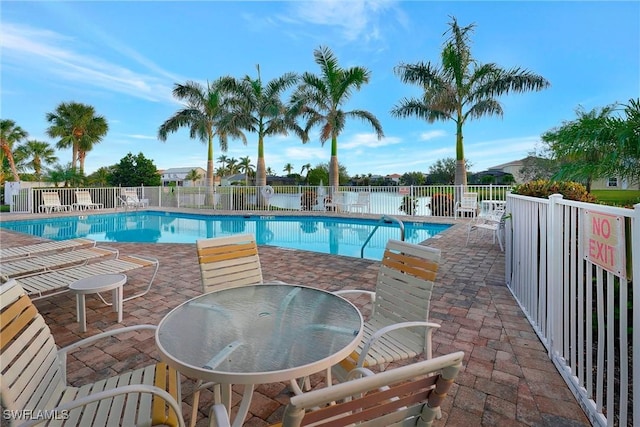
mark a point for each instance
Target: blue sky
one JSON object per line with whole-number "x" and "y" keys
{"x": 123, "y": 57}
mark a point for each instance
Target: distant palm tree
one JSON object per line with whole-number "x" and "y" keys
{"x": 245, "y": 166}
{"x": 10, "y": 134}
{"x": 288, "y": 168}
{"x": 206, "y": 106}
{"x": 258, "y": 108}
{"x": 223, "y": 162}
{"x": 193, "y": 176}
{"x": 461, "y": 88}
{"x": 100, "y": 177}
{"x": 232, "y": 165}
{"x": 66, "y": 174}
{"x": 77, "y": 126}
{"x": 269, "y": 171}
{"x": 306, "y": 167}
{"x": 319, "y": 99}
{"x": 39, "y": 153}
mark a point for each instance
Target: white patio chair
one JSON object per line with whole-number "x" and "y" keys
{"x": 336, "y": 202}
{"x": 492, "y": 222}
{"x": 398, "y": 327}
{"x": 34, "y": 377}
{"x": 84, "y": 201}
{"x": 129, "y": 199}
{"x": 467, "y": 204}
{"x": 407, "y": 396}
{"x": 51, "y": 203}
{"x": 362, "y": 203}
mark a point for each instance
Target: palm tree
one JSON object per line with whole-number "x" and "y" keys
{"x": 319, "y": 99}
{"x": 258, "y": 108}
{"x": 306, "y": 167}
{"x": 232, "y": 165}
{"x": 205, "y": 108}
{"x": 288, "y": 168}
{"x": 40, "y": 153}
{"x": 461, "y": 88}
{"x": 9, "y": 135}
{"x": 246, "y": 167}
{"x": 193, "y": 176}
{"x": 78, "y": 127}
{"x": 269, "y": 171}
{"x": 223, "y": 161}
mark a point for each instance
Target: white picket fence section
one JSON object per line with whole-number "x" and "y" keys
{"x": 426, "y": 200}
{"x": 570, "y": 267}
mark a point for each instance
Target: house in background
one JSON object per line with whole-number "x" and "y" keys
{"x": 500, "y": 172}
{"x": 177, "y": 177}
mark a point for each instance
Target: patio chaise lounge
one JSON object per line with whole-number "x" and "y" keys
{"x": 129, "y": 199}
{"x": 84, "y": 201}
{"x": 16, "y": 252}
{"x": 42, "y": 285}
{"x": 24, "y": 266}
{"x": 51, "y": 203}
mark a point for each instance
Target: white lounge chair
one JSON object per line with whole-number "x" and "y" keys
{"x": 398, "y": 328}
{"x": 34, "y": 377}
{"x": 129, "y": 199}
{"x": 25, "y": 266}
{"x": 84, "y": 201}
{"x": 43, "y": 285}
{"x": 42, "y": 248}
{"x": 336, "y": 202}
{"x": 362, "y": 203}
{"x": 468, "y": 204}
{"x": 407, "y": 396}
{"x": 51, "y": 203}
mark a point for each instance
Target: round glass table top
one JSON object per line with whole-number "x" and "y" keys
{"x": 261, "y": 333}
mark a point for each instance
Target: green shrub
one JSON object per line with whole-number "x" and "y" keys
{"x": 543, "y": 188}
{"x": 308, "y": 200}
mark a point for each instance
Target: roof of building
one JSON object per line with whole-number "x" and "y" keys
{"x": 182, "y": 170}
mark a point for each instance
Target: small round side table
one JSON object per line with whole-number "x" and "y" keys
{"x": 94, "y": 285}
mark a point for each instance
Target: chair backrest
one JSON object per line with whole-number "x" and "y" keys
{"x": 469, "y": 200}
{"x": 83, "y": 197}
{"x": 51, "y": 198}
{"x": 363, "y": 198}
{"x": 229, "y": 262}
{"x": 405, "y": 282}
{"x": 130, "y": 196}
{"x": 409, "y": 395}
{"x": 31, "y": 370}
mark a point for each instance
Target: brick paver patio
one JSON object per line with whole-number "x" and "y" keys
{"x": 507, "y": 378}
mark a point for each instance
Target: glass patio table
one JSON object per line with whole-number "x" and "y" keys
{"x": 258, "y": 334}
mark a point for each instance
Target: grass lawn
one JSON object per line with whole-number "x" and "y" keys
{"x": 625, "y": 198}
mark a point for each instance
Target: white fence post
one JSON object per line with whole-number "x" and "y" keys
{"x": 554, "y": 272}
{"x": 635, "y": 271}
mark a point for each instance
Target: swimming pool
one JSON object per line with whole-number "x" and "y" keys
{"x": 339, "y": 236}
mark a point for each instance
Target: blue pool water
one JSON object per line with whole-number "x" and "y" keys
{"x": 339, "y": 236}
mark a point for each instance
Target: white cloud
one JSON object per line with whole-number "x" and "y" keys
{"x": 136, "y": 136}
{"x": 356, "y": 19}
{"x": 432, "y": 134}
{"x": 367, "y": 140}
{"x": 34, "y": 49}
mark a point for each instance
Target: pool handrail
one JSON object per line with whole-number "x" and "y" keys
{"x": 383, "y": 219}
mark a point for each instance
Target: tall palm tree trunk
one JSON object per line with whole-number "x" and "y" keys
{"x": 334, "y": 173}
{"x": 209, "y": 198}
{"x": 261, "y": 170}
{"x": 12, "y": 164}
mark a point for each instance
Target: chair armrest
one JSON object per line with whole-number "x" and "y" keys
{"x": 371, "y": 294}
{"x": 218, "y": 416}
{"x": 382, "y": 331}
{"x": 107, "y": 394}
{"x": 62, "y": 353}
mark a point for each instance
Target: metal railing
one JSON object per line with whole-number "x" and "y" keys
{"x": 384, "y": 219}
{"x": 431, "y": 200}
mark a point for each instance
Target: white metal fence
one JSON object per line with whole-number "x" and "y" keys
{"x": 392, "y": 200}
{"x": 570, "y": 267}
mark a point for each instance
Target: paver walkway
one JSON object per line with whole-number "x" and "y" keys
{"x": 507, "y": 379}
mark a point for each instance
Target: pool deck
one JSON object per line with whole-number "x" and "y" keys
{"x": 507, "y": 378}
